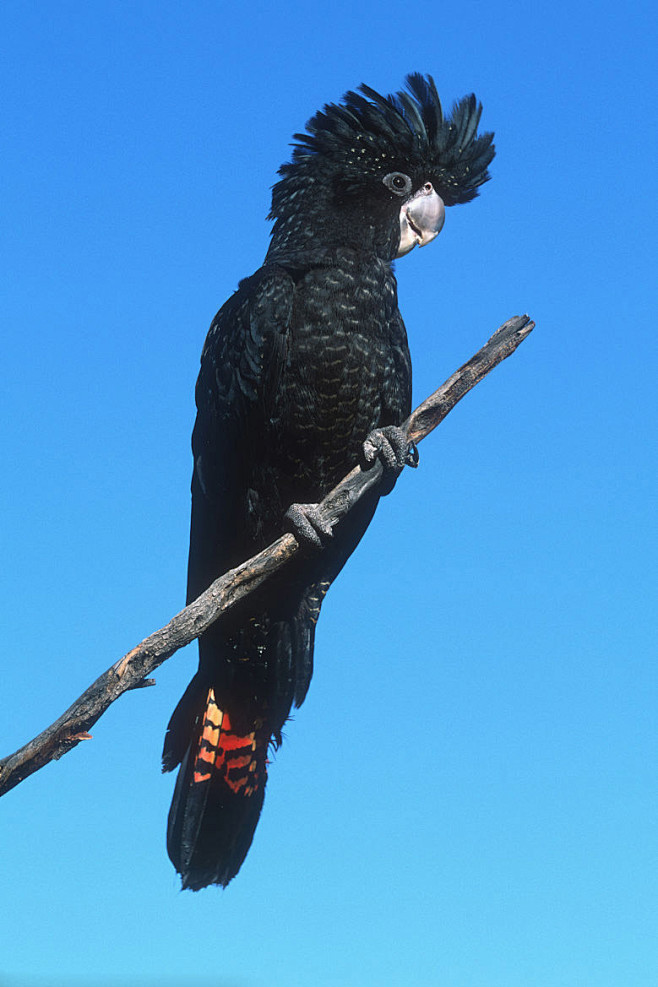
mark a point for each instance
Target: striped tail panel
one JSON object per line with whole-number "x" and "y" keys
{"x": 238, "y": 758}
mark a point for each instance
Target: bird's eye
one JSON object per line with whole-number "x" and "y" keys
{"x": 398, "y": 183}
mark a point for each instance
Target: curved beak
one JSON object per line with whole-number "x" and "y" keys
{"x": 421, "y": 219}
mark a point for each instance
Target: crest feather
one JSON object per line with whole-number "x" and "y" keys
{"x": 368, "y": 134}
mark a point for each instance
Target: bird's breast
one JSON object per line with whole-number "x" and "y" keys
{"x": 343, "y": 370}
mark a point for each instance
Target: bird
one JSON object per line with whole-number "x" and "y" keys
{"x": 304, "y": 373}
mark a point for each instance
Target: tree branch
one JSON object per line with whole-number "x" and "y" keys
{"x": 130, "y": 671}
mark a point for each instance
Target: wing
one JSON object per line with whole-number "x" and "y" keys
{"x": 241, "y": 368}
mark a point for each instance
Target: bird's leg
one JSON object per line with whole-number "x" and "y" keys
{"x": 391, "y": 446}
{"x": 307, "y": 525}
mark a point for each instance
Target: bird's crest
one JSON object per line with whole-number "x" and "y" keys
{"x": 371, "y": 134}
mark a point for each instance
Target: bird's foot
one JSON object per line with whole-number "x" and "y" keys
{"x": 391, "y": 446}
{"x": 307, "y": 525}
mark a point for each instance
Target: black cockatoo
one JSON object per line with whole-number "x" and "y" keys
{"x": 305, "y": 371}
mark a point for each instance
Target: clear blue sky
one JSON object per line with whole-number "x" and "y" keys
{"x": 467, "y": 798}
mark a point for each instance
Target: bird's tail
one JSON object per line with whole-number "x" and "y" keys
{"x": 219, "y": 790}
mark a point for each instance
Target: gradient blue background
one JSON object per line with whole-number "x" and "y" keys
{"x": 467, "y": 798}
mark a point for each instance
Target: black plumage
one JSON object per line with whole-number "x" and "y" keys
{"x": 300, "y": 366}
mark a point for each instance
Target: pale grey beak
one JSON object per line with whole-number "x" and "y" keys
{"x": 421, "y": 219}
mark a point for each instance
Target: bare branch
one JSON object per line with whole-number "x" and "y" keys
{"x": 130, "y": 671}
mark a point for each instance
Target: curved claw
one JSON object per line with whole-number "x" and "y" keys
{"x": 412, "y": 456}
{"x": 391, "y": 446}
{"x": 307, "y": 525}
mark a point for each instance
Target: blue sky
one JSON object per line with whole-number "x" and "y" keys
{"x": 467, "y": 798}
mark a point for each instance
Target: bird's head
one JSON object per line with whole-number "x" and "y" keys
{"x": 375, "y": 173}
